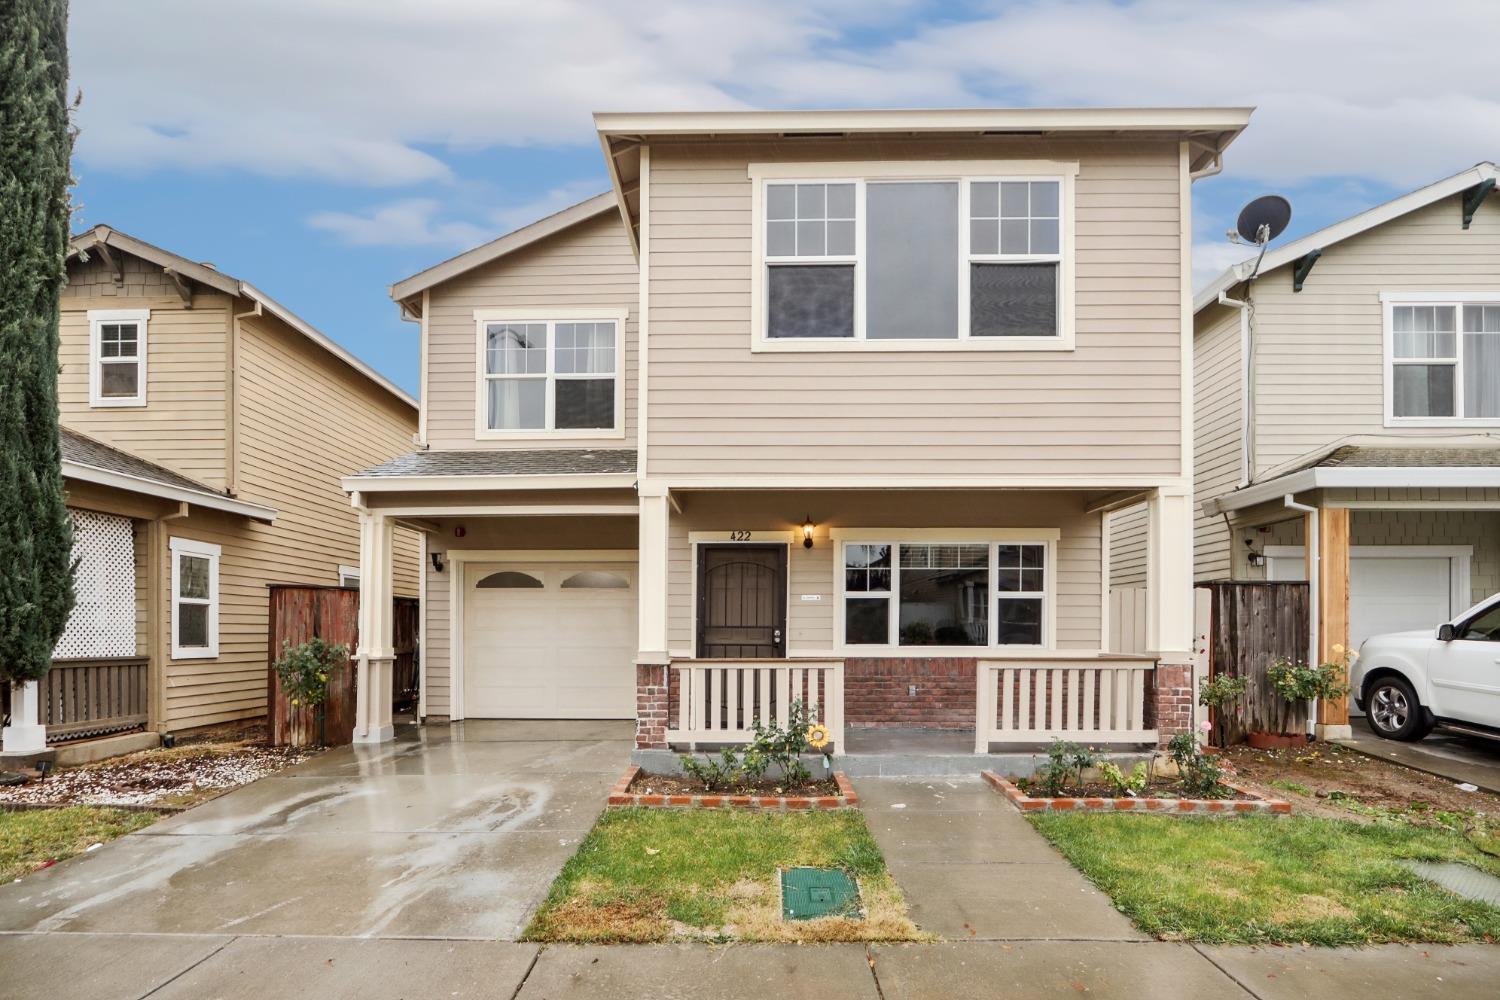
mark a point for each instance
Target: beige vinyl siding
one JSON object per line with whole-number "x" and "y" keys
{"x": 1129, "y": 533}
{"x": 182, "y": 425}
{"x": 587, "y": 265}
{"x": 1217, "y": 434}
{"x": 1320, "y": 367}
{"x": 810, "y": 624}
{"x": 1110, "y": 406}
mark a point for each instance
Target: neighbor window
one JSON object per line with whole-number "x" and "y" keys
{"x": 948, "y": 594}
{"x": 117, "y": 357}
{"x": 924, "y": 260}
{"x": 1445, "y": 361}
{"x": 553, "y": 375}
{"x": 195, "y": 599}
{"x": 348, "y": 576}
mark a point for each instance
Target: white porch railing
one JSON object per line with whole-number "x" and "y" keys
{"x": 1084, "y": 701}
{"x": 719, "y": 701}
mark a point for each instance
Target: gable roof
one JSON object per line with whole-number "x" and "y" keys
{"x": 1340, "y": 231}
{"x": 507, "y": 244}
{"x": 90, "y": 461}
{"x": 180, "y": 268}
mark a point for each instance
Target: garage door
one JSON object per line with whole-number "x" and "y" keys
{"x": 549, "y": 640}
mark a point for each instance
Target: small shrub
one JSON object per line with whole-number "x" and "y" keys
{"x": 304, "y": 671}
{"x": 771, "y": 747}
{"x": 1222, "y": 692}
{"x": 716, "y": 775}
{"x": 1066, "y": 763}
{"x": 1202, "y": 775}
{"x": 1122, "y": 785}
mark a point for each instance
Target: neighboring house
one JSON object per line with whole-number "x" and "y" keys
{"x": 1357, "y": 373}
{"x": 820, "y": 406}
{"x": 204, "y": 432}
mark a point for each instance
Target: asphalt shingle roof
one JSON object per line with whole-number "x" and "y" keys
{"x": 1359, "y": 457}
{"x": 556, "y": 461}
{"x": 86, "y": 451}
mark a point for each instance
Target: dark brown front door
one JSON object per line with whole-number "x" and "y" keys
{"x": 742, "y": 601}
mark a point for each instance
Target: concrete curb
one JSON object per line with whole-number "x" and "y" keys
{"x": 1162, "y": 807}
{"x": 619, "y": 795}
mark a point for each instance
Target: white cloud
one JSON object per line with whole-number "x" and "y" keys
{"x": 379, "y": 93}
{"x": 554, "y": 200}
{"x": 410, "y": 222}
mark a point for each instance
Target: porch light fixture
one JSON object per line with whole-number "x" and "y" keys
{"x": 1253, "y": 556}
{"x": 437, "y": 561}
{"x": 807, "y": 532}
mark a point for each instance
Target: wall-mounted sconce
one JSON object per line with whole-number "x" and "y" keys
{"x": 1253, "y": 556}
{"x": 437, "y": 561}
{"x": 807, "y": 532}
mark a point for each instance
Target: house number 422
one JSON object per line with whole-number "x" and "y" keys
{"x": 739, "y": 536}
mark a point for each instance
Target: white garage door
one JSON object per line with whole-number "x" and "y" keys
{"x": 549, "y": 640}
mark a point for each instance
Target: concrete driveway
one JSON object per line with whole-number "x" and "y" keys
{"x": 1447, "y": 754}
{"x": 449, "y": 833}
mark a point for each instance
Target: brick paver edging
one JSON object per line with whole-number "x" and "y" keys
{"x": 1165, "y": 807}
{"x": 620, "y": 796}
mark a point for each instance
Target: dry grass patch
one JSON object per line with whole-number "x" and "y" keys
{"x": 644, "y": 875}
{"x": 31, "y": 839}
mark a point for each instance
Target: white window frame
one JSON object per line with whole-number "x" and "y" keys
{"x": 98, "y": 318}
{"x": 960, "y": 172}
{"x": 1389, "y": 301}
{"x": 348, "y": 573}
{"x": 482, "y": 317}
{"x": 992, "y": 538}
{"x": 203, "y": 550}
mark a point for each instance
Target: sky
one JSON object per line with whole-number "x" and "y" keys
{"x": 324, "y": 149}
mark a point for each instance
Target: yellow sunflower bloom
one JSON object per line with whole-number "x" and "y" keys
{"x": 817, "y": 736}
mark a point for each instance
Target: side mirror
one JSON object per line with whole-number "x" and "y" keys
{"x": 1446, "y": 632}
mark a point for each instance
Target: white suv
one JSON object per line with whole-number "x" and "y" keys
{"x": 1408, "y": 682}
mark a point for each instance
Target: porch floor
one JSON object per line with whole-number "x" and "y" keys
{"x": 868, "y": 739}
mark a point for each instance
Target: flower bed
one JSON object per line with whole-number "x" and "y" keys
{"x": 1246, "y": 802}
{"x": 629, "y": 791}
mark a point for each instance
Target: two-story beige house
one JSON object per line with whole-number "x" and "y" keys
{"x": 1357, "y": 373}
{"x": 205, "y": 428}
{"x": 820, "y": 407}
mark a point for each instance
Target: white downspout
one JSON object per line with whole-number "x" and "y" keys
{"x": 1247, "y": 386}
{"x": 1314, "y": 574}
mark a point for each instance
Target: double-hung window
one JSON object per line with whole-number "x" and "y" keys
{"x": 550, "y": 377}
{"x": 117, "y": 357}
{"x": 1443, "y": 359}
{"x": 195, "y": 599}
{"x": 949, "y": 594}
{"x": 913, "y": 257}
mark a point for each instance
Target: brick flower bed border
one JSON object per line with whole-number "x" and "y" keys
{"x": 620, "y": 796}
{"x": 1164, "y": 807}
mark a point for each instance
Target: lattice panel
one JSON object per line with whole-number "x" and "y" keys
{"x": 103, "y": 619}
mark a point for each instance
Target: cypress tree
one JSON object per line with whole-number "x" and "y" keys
{"x": 36, "y": 140}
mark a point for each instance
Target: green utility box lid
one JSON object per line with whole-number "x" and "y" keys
{"x": 807, "y": 893}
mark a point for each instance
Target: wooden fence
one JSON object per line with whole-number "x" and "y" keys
{"x": 1251, "y": 623}
{"x": 94, "y": 697}
{"x": 1088, "y": 701}
{"x": 299, "y": 613}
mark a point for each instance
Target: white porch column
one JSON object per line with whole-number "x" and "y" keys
{"x": 1169, "y": 620}
{"x": 652, "y": 586}
{"x": 25, "y": 734}
{"x": 376, "y": 654}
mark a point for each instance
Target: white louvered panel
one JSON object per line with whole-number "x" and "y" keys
{"x": 103, "y": 619}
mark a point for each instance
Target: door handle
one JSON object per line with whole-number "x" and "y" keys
{"x": 776, "y": 635}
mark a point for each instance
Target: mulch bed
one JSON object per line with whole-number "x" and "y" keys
{"x": 1240, "y": 801}
{"x": 637, "y": 788}
{"x": 1158, "y": 788}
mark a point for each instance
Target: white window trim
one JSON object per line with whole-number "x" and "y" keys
{"x": 1458, "y": 299}
{"x": 98, "y": 318}
{"x": 957, "y": 171}
{"x": 551, "y": 317}
{"x": 992, "y": 537}
{"x": 347, "y": 573}
{"x": 190, "y": 546}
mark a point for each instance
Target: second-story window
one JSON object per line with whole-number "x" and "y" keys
{"x": 907, "y": 262}
{"x": 117, "y": 357}
{"x": 549, "y": 375}
{"x": 1444, "y": 362}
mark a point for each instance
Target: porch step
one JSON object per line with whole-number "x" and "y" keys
{"x": 922, "y": 765}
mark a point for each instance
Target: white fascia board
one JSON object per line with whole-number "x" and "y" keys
{"x": 1352, "y": 226}
{"x": 431, "y": 484}
{"x": 166, "y": 491}
{"x": 1356, "y": 477}
{"x": 1229, "y": 119}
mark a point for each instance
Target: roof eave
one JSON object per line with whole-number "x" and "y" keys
{"x": 165, "y": 491}
{"x": 462, "y": 483}
{"x": 1355, "y": 477}
{"x": 719, "y": 123}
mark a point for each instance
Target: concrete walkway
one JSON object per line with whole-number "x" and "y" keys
{"x": 1446, "y": 754}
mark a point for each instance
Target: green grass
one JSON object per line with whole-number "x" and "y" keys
{"x": 1249, "y": 880}
{"x": 659, "y": 875}
{"x": 31, "y": 838}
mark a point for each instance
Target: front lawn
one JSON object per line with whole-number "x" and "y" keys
{"x": 31, "y": 838}
{"x": 1250, "y": 880}
{"x": 700, "y": 874}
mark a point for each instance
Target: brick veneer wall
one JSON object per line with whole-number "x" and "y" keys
{"x": 1172, "y": 704}
{"x": 875, "y": 692}
{"x": 651, "y": 706}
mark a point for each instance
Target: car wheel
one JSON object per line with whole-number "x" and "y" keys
{"x": 1394, "y": 711}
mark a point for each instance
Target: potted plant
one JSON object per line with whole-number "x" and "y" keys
{"x": 304, "y": 671}
{"x": 1222, "y": 694}
{"x": 1298, "y": 686}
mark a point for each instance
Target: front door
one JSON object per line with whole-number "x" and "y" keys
{"x": 741, "y": 601}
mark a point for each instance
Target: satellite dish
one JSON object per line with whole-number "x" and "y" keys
{"x": 1264, "y": 219}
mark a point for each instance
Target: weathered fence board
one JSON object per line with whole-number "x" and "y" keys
{"x": 1252, "y": 623}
